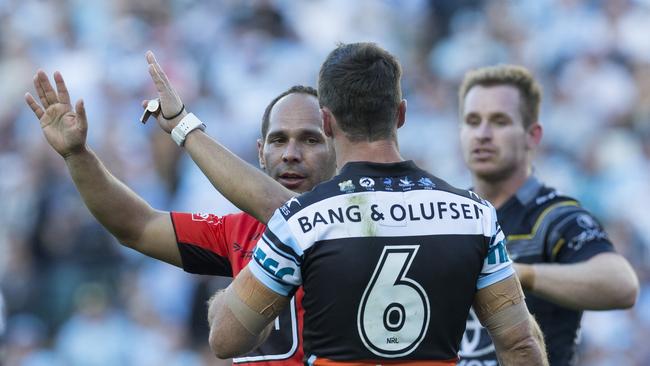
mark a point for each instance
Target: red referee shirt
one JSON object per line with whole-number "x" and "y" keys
{"x": 223, "y": 245}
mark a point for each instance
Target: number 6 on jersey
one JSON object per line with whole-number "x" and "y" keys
{"x": 394, "y": 312}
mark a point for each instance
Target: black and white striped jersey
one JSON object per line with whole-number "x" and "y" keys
{"x": 390, "y": 258}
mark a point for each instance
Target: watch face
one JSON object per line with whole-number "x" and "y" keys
{"x": 153, "y": 105}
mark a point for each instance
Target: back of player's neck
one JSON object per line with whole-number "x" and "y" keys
{"x": 382, "y": 151}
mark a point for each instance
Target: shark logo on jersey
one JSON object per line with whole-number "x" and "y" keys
{"x": 426, "y": 183}
{"x": 367, "y": 183}
{"x": 347, "y": 186}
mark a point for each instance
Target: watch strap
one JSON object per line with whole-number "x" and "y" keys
{"x": 188, "y": 124}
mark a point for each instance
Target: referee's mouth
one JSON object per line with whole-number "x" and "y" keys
{"x": 291, "y": 180}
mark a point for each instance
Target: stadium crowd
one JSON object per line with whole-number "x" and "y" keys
{"x": 74, "y": 296}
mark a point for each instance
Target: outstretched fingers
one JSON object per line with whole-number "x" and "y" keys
{"x": 40, "y": 91}
{"x": 158, "y": 74}
{"x": 80, "y": 109}
{"x": 63, "y": 95}
{"x": 47, "y": 92}
{"x": 154, "y": 71}
{"x": 33, "y": 104}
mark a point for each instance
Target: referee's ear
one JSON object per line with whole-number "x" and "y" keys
{"x": 260, "y": 153}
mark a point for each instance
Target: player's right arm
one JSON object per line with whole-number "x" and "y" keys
{"x": 501, "y": 309}
{"x": 240, "y": 316}
{"x": 246, "y": 187}
{"x": 499, "y": 303}
{"x": 127, "y": 216}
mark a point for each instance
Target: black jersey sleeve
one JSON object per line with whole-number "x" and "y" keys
{"x": 575, "y": 237}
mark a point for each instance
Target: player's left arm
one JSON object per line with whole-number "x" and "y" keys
{"x": 586, "y": 273}
{"x": 605, "y": 281}
{"x": 241, "y": 316}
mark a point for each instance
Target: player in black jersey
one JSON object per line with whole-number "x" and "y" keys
{"x": 389, "y": 256}
{"x": 565, "y": 262}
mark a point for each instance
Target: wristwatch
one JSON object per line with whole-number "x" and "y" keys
{"x": 188, "y": 124}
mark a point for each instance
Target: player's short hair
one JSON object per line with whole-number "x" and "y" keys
{"x": 517, "y": 76}
{"x": 296, "y": 89}
{"x": 360, "y": 84}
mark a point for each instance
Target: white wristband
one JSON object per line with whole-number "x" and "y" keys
{"x": 188, "y": 124}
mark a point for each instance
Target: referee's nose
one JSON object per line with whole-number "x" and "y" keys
{"x": 292, "y": 152}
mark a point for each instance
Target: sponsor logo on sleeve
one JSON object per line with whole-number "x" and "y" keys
{"x": 207, "y": 218}
{"x": 591, "y": 231}
{"x": 277, "y": 266}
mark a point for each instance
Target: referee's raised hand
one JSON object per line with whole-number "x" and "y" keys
{"x": 171, "y": 110}
{"x": 64, "y": 128}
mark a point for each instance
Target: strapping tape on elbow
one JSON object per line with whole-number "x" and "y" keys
{"x": 507, "y": 318}
{"x": 253, "y": 321}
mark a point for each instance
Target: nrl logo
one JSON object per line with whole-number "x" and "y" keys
{"x": 367, "y": 182}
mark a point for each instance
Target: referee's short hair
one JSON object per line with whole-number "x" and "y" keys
{"x": 516, "y": 76}
{"x": 360, "y": 84}
{"x": 296, "y": 89}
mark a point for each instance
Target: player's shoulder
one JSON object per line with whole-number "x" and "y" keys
{"x": 442, "y": 185}
{"x": 546, "y": 206}
{"x": 549, "y": 199}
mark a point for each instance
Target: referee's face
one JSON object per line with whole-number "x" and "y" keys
{"x": 492, "y": 134}
{"x": 295, "y": 150}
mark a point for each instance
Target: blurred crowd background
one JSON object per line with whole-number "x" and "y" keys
{"x": 74, "y": 296}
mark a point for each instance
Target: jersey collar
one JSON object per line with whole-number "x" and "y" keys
{"x": 377, "y": 169}
{"x": 528, "y": 191}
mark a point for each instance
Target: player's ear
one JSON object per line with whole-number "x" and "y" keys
{"x": 260, "y": 153}
{"x": 327, "y": 117}
{"x": 534, "y": 136}
{"x": 401, "y": 113}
